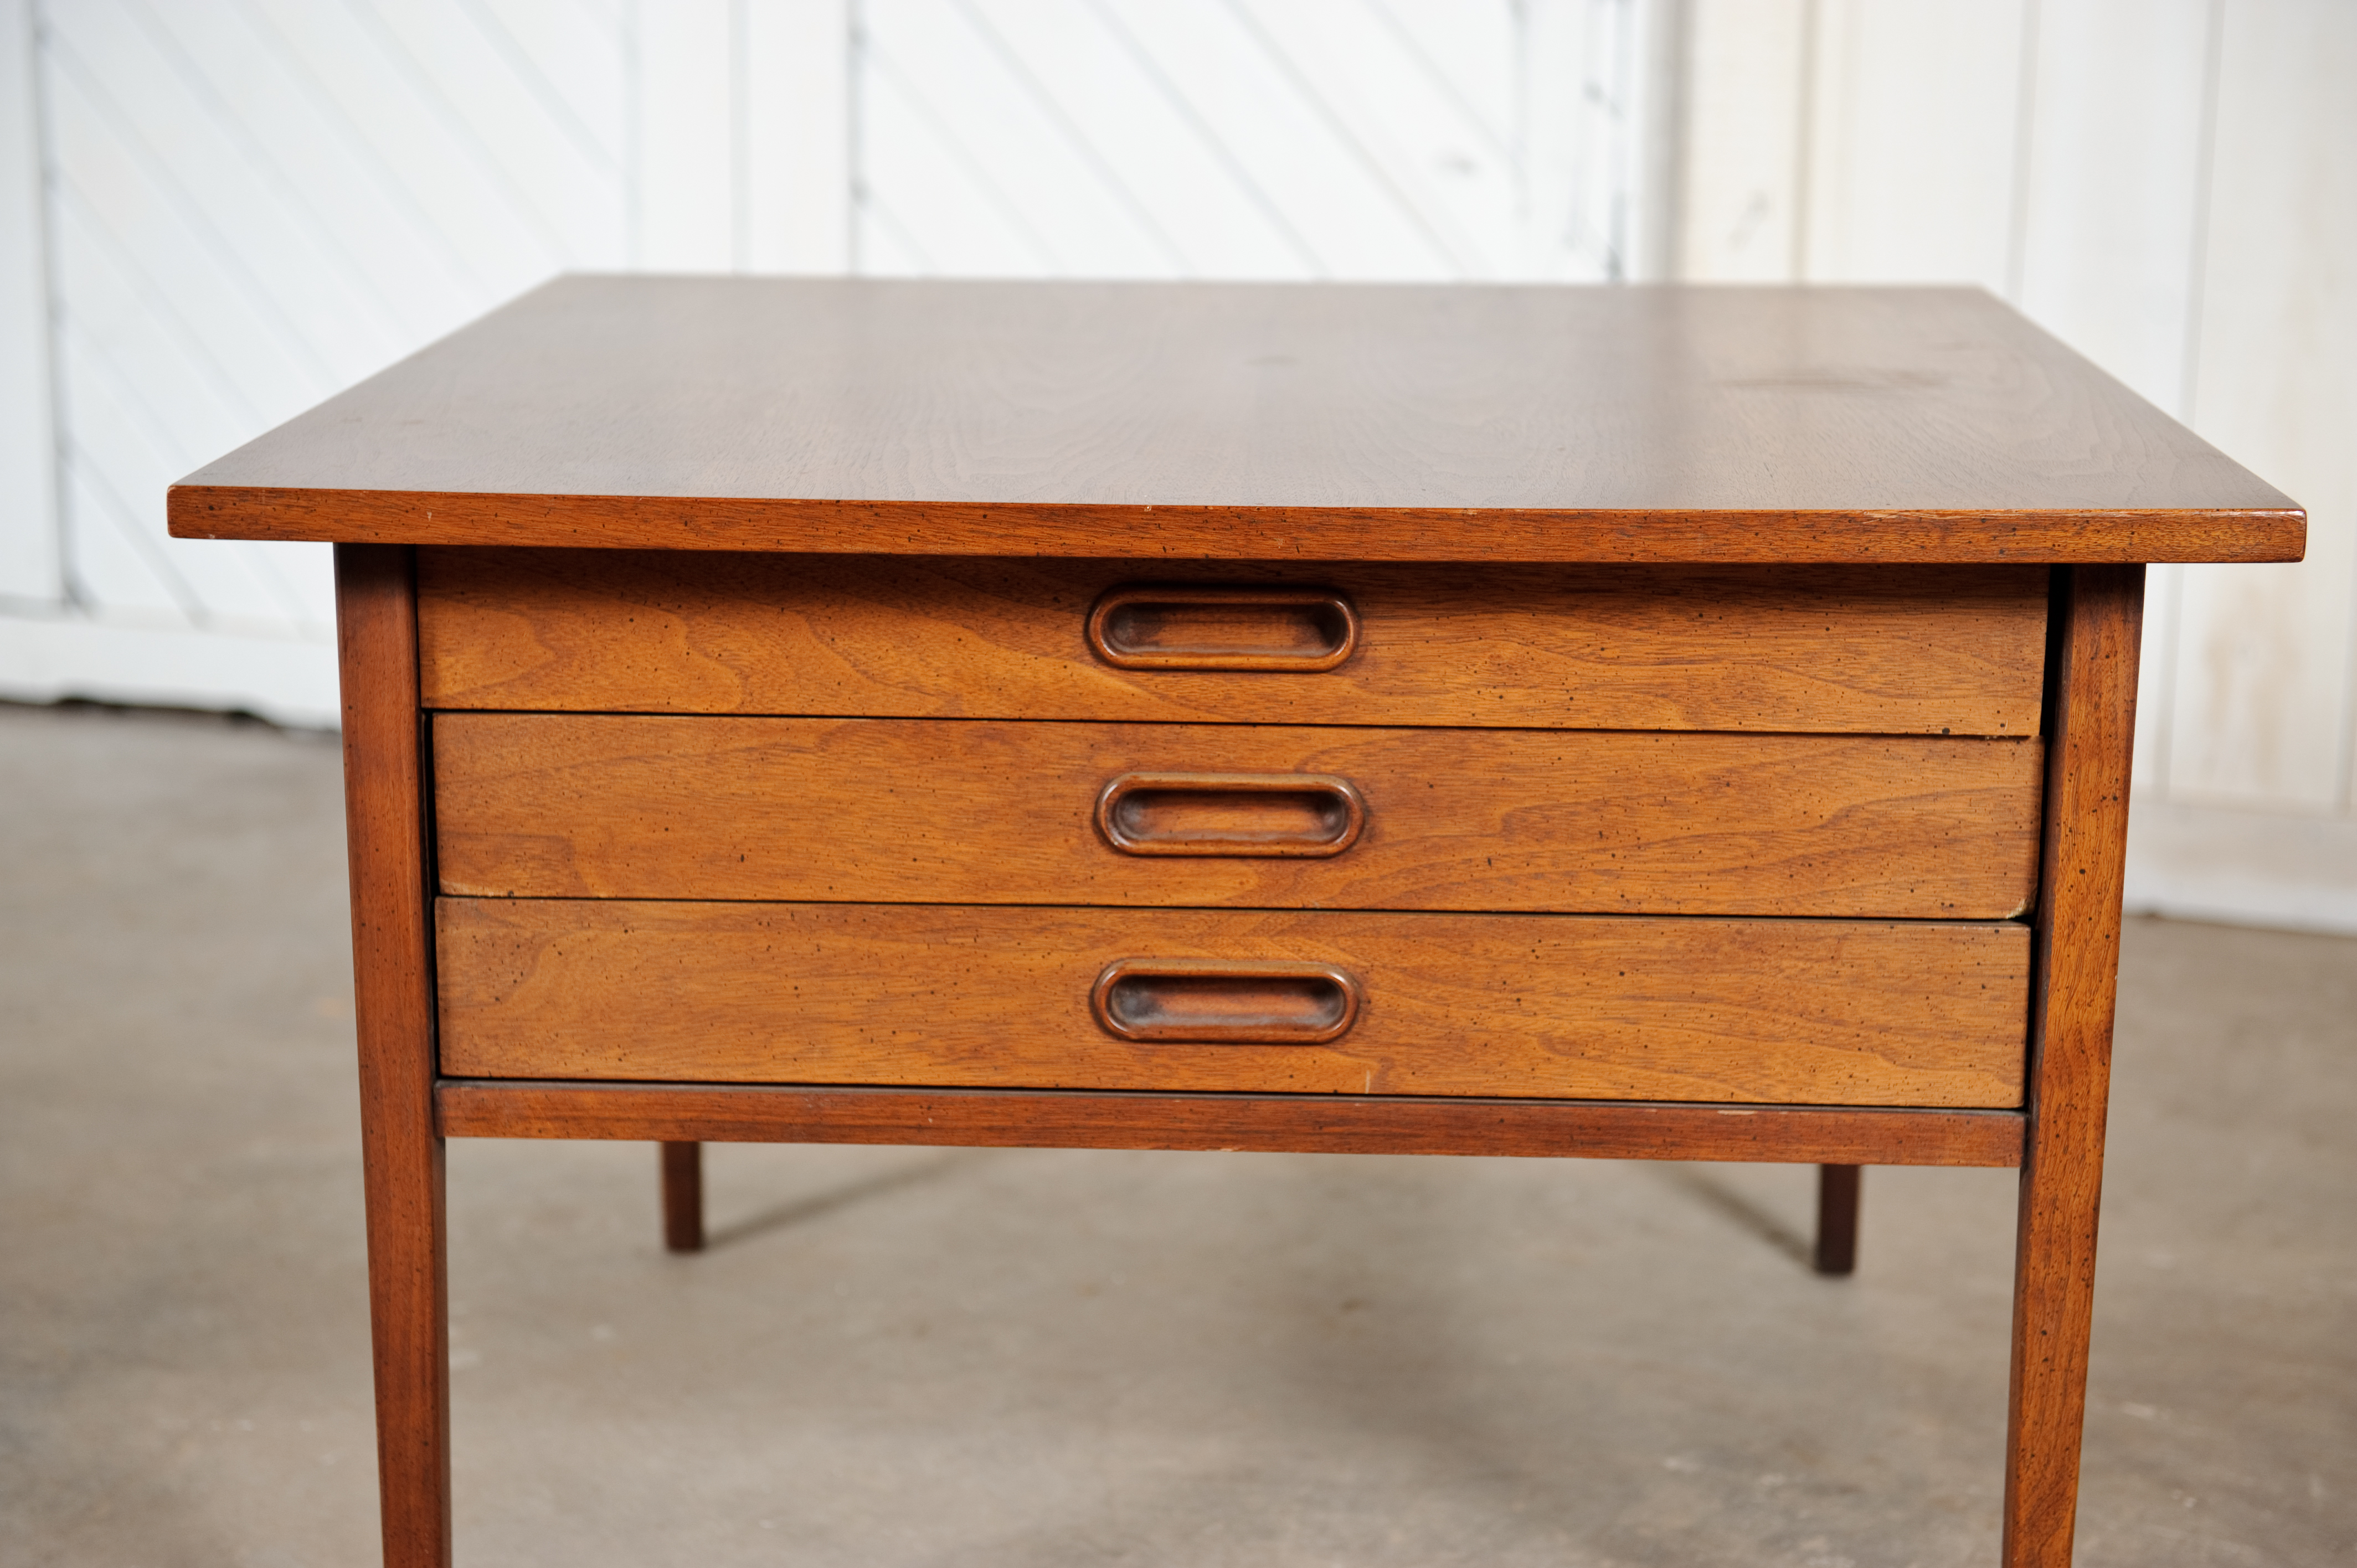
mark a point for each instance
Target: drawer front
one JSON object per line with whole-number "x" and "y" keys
{"x": 952, "y": 812}
{"x": 1799, "y": 1012}
{"x": 1915, "y": 651}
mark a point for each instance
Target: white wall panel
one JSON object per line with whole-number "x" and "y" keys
{"x": 977, "y": 161}
{"x": 293, "y": 132}
{"x": 796, "y": 151}
{"x": 29, "y": 580}
{"x": 2170, "y": 185}
{"x": 686, "y": 123}
{"x": 1594, "y": 191}
{"x": 254, "y": 203}
{"x": 1330, "y": 189}
{"x": 422, "y": 157}
{"x": 1431, "y": 129}
{"x": 2264, "y": 705}
{"x": 116, "y": 554}
{"x": 2107, "y": 245}
{"x": 1313, "y": 138}
{"x": 1745, "y": 105}
{"x": 1914, "y": 108}
{"x": 2109, "y": 233}
{"x": 1134, "y": 144}
{"x": 250, "y": 206}
{"x": 211, "y": 216}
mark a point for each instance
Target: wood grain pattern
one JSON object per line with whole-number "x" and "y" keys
{"x": 1909, "y": 651}
{"x": 1306, "y": 1124}
{"x": 948, "y": 812}
{"x": 1156, "y": 420}
{"x": 394, "y": 991}
{"x": 1797, "y": 1011}
{"x": 2099, "y": 618}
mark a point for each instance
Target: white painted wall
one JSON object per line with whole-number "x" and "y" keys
{"x": 211, "y": 216}
{"x": 29, "y": 537}
{"x": 2169, "y": 186}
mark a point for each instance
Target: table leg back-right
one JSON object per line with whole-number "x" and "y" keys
{"x": 682, "y": 1197}
{"x": 1837, "y": 1251}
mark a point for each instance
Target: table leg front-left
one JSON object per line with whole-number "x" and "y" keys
{"x": 393, "y": 986}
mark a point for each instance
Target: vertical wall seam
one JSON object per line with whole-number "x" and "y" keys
{"x": 2197, "y": 275}
{"x": 1518, "y": 135}
{"x": 2171, "y": 580}
{"x": 1668, "y": 67}
{"x": 1805, "y": 140}
{"x": 2345, "y": 786}
{"x": 740, "y": 139}
{"x": 70, "y": 590}
{"x": 854, "y": 145}
{"x": 633, "y": 141}
{"x": 2189, "y": 380}
{"x": 2025, "y": 129}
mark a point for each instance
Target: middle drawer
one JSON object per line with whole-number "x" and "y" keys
{"x": 934, "y": 810}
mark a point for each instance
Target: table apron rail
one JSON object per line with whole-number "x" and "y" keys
{"x": 1404, "y": 1124}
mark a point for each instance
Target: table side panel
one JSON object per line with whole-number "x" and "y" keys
{"x": 1880, "y": 650}
{"x": 1811, "y": 1012}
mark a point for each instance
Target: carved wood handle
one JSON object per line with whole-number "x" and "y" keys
{"x": 1185, "y": 628}
{"x": 1293, "y": 815}
{"x": 1224, "y": 1002}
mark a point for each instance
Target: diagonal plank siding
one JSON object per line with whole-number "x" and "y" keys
{"x": 243, "y": 207}
{"x": 213, "y": 215}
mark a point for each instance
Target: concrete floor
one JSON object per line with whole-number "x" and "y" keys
{"x": 907, "y": 1356}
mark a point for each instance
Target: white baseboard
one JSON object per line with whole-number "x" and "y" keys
{"x": 2244, "y": 868}
{"x": 287, "y": 680}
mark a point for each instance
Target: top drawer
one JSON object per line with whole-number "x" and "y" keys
{"x": 1891, "y": 650}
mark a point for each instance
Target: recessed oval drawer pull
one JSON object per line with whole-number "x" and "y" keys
{"x": 1224, "y": 1002}
{"x": 1181, "y": 628}
{"x": 1304, "y": 815}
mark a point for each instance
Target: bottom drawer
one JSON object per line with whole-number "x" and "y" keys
{"x": 1796, "y": 1011}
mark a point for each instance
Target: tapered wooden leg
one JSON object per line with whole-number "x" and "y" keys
{"x": 409, "y": 1314}
{"x": 682, "y": 1197}
{"x": 2091, "y": 728}
{"x": 392, "y": 985}
{"x": 1837, "y": 1219}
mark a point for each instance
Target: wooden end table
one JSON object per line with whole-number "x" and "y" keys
{"x": 1652, "y": 722}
